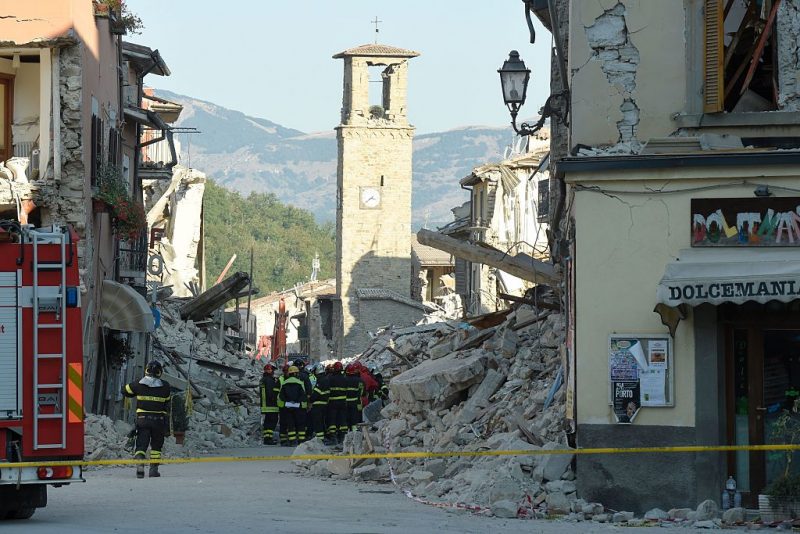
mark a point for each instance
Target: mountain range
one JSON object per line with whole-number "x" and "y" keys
{"x": 251, "y": 154}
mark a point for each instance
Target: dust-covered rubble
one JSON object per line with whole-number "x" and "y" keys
{"x": 106, "y": 439}
{"x": 214, "y": 419}
{"x": 494, "y": 384}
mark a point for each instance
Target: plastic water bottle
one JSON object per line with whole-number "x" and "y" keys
{"x": 730, "y": 497}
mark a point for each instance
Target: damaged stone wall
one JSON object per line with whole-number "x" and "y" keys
{"x": 619, "y": 58}
{"x": 614, "y": 47}
{"x": 176, "y": 208}
{"x": 66, "y": 200}
{"x": 788, "y": 29}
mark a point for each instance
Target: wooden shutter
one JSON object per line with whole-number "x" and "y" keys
{"x": 714, "y": 52}
{"x": 461, "y": 272}
{"x": 543, "y": 209}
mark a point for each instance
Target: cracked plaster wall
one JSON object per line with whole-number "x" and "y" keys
{"x": 788, "y": 29}
{"x": 624, "y": 86}
{"x": 626, "y": 240}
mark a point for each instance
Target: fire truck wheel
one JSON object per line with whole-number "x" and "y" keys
{"x": 20, "y": 513}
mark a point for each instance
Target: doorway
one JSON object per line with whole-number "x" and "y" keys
{"x": 763, "y": 382}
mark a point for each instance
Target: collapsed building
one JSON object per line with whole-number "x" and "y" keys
{"x": 490, "y": 383}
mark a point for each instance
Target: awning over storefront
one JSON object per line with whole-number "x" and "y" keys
{"x": 122, "y": 308}
{"x": 738, "y": 275}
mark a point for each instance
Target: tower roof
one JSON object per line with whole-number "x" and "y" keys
{"x": 376, "y": 50}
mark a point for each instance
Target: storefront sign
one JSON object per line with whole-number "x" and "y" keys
{"x": 746, "y": 222}
{"x": 711, "y": 291}
{"x": 639, "y": 374}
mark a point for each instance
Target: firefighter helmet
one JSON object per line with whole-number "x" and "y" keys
{"x": 337, "y": 367}
{"x": 293, "y": 370}
{"x": 154, "y": 368}
{"x": 351, "y": 369}
{"x": 269, "y": 369}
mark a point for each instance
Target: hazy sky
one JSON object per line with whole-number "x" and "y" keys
{"x": 272, "y": 58}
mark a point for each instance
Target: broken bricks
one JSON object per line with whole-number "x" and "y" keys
{"x": 464, "y": 387}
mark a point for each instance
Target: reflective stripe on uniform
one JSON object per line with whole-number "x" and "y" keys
{"x": 149, "y": 398}
{"x": 139, "y": 410}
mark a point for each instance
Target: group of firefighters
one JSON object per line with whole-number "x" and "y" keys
{"x": 323, "y": 401}
{"x": 308, "y": 400}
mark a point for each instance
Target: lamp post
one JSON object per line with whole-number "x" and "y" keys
{"x": 514, "y": 77}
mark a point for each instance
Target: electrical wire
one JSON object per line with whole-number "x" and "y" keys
{"x": 651, "y": 192}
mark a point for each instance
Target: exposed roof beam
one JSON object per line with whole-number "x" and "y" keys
{"x": 521, "y": 265}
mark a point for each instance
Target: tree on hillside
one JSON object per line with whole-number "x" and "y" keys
{"x": 284, "y": 238}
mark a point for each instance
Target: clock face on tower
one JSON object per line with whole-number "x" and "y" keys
{"x": 370, "y": 198}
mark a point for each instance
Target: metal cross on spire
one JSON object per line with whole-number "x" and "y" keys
{"x": 377, "y": 30}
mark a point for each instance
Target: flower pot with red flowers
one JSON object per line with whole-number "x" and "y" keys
{"x": 127, "y": 213}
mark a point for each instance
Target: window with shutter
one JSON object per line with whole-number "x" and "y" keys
{"x": 461, "y": 270}
{"x": 543, "y": 209}
{"x": 97, "y": 146}
{"x": 739, "y": 54}
{"x": 714, "y": 75}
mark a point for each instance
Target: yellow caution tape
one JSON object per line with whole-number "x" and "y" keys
{"x": 415, "y": 454}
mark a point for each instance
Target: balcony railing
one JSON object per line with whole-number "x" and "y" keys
{"x": 131, "y": 261}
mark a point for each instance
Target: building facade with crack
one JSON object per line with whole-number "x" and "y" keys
{"x": 681, "y": 192}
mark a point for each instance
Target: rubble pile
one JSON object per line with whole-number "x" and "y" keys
{"x": 224, "y": 412}
{"x": 494, "y": 384}
{"x": 106, "y": 439}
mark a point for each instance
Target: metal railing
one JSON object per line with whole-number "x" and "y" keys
{"x": 131, "y": 257}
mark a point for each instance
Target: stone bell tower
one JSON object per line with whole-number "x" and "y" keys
{"x": 373, "y": 210}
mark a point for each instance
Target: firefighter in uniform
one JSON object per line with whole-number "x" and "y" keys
{"x": 269, "y": 389}
{"x": 354, "y": 388}
{"x": 337, "y": 403}
{"x": 305, "y": 376}
{"x": 284, "y": 437}
{"x": 319, "y": 404}
{"x": 293, "y": 395}
{"x": 153, "y": 410}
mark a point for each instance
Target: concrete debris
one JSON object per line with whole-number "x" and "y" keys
{"x": 105, "y": 439}
{"x": 733, "y": 516}
{"x": 448, "y": 395}
{"x": 215, "y": 421}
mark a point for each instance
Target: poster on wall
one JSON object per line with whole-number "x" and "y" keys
{"x": 639, "y": 374}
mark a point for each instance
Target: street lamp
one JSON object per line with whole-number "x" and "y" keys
{"x": 514, "y": 76}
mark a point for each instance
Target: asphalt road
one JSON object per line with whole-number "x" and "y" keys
{"x": 254, "y": 497}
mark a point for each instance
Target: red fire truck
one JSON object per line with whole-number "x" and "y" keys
{"x": 41, "y": 364}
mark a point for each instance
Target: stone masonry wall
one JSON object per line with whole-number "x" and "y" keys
{"x": 66, "y": 200}
{"x": 788, "y": 29}
{"x": 375, "y": 244}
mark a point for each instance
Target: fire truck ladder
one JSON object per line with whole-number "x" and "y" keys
{"x": 48, "y": 301}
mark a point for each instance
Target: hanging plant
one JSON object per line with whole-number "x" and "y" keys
{"x": 123, "y": 20}
{"x": 127, "y": 214}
